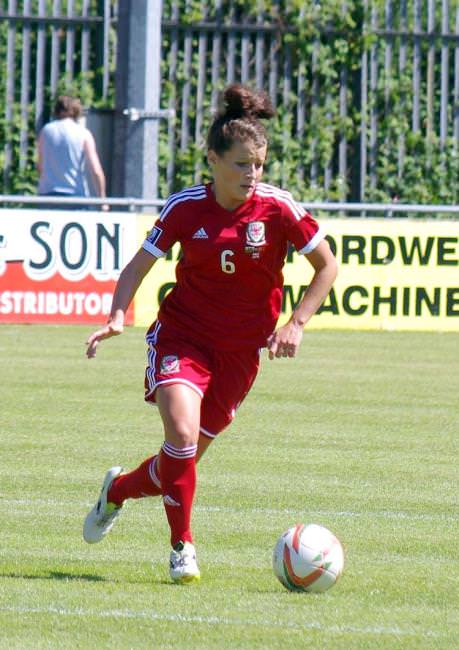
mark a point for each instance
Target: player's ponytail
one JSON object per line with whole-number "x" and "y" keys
{"x": 241, "y": 102}
{"x": 238, "y": 119}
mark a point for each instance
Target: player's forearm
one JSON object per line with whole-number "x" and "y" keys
{"x": 126, "y": 288}
{"x": 316, "y": 293}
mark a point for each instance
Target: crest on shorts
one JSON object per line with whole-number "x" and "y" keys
{"x": 255, "y": 234}
{"x": 169, "y": 364}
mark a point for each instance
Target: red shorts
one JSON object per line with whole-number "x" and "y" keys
{"x": 222, "y": 379}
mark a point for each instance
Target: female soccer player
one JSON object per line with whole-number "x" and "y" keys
{"x": 203, "y": 349}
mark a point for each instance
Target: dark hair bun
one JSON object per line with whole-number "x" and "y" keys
{"x": 241, "y": 102}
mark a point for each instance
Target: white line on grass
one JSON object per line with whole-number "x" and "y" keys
{"x": 216, "y": 620}
{"x": 383, "y": 514}
{"x": 331, "y": 513}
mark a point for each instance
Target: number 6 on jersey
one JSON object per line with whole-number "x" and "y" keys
{"x": 227, "y": 265}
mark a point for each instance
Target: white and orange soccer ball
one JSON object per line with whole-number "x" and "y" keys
{"x": 308, "y": 558}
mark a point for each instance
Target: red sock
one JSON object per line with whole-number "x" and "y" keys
{"x": 141, "y": 482}
{"x": 178, "y": 480}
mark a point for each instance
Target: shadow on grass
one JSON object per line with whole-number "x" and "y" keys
{"x": 55, "y": 575}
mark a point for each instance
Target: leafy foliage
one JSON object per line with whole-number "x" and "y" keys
{"x": 20, "y": 120}
{"x": 333, "y": 88}
{"x": 344, "y": 93}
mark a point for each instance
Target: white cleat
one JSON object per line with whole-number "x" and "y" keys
{"x": 100, "y": 520}
{"x": 183, "y": 566}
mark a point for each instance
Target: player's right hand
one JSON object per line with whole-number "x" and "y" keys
{"x": 112, "y": 328}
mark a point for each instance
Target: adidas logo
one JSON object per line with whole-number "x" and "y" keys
{"x": 200, "y": 234}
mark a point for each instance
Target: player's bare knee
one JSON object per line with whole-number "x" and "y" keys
{"x": 182, "y": 434}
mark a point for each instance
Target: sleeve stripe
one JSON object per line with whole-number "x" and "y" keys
{"x": 150, "y": 248}
{"x": 196, "y": 193}
{"x": 283, "y": 196}
{"x": 313, "y": 243}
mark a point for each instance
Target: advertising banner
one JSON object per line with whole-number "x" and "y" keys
{"x": 62, "y": 266}
{"x": 398, "y": 274}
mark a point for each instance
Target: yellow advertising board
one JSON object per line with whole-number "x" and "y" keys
{"x": 397, "y": 274}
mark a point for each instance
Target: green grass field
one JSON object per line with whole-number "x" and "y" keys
{"x": 360, "y": 434}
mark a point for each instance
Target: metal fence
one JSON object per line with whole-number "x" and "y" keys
{"x": 418, "y": 48}
{"x": 317, "y": 208}
{"x": 404, "y": 65}
{"x": 43, "y": 42}
{"x": 382, "y": 75}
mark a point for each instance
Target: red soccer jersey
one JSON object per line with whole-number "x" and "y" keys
{"x": 229, "y": 279}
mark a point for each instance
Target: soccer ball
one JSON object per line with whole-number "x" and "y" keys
{"x": 308, "y": 558}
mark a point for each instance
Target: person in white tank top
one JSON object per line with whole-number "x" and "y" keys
{"x": 66, "y": 152}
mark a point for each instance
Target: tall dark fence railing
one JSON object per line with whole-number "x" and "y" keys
{"x": 46, "y": 45}
{"x": 367, "y": 91}
{"x": 358, "y": 96}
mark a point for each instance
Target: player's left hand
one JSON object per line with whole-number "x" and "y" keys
{"x": 112, "y": 328}
{"x": 285, "y": 341}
